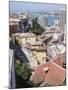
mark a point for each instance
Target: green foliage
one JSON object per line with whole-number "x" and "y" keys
{"x": 23, "y": 70}
{"x": 37, "y": 29}
{"x": 23, "y": 73}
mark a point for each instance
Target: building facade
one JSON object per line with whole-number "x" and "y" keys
{"x": 62, "y": 19}
{"x": 43, "y": 20}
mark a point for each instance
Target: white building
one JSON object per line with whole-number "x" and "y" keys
{"x": 22, "y": 15}
{"x": 62, "y": 18}
{"x": 43, "y": 20}
{"x": 30, "y": 20}
{"x": 56, "y": 22}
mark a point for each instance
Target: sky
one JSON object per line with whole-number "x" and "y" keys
{"x": 18, "y": 6}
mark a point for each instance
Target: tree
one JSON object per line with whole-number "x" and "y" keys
{"x": 23, "y": 70}
{"x": 23, "y": 73}
{"x": 37, "y": 29}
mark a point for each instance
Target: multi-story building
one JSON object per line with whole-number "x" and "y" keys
{"x": 25, "y": 22}
{"x": 38, "y": 52}
{"x": 23, "y": 25}
{"x": 13, "y": 25}
{"x": 43, "y": 20}
{"x": 56, "y": 22}
{"x": 62, "y": 19}
{"x": 24, "y": 38}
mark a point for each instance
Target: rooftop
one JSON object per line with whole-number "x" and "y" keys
{"x": 14, "y": 21}
{"x": 39, "y": 48}
{"x": 27, "y": 35}
{"x": 50, "y": 72}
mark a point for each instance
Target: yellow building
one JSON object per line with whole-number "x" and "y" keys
{"x": 40, "y": 56}
{"x": 25, "y": 38}
{"x": 38, "y": 53}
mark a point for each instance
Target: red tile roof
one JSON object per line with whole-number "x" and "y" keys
{"x": 54, "y": 76}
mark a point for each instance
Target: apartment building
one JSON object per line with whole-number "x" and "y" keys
{"x": 43, "y": 20}
{"x": 38, "y": 52}
{"x": 24, "y": 38}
